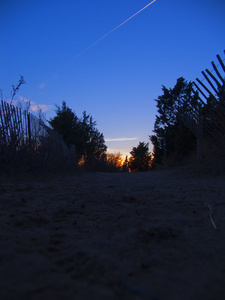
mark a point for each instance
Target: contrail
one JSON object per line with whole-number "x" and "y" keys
{"x": 104, "y": 36}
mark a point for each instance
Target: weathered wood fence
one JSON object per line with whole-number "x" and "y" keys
{"x": 20, "y": 124}
{"x": 27, "y": 143}
{"x": 207, "y": 118}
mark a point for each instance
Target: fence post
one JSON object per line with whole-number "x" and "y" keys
{"x": 3, "y": 135}
{"x": 200, "y": 133}
{"x": 28, "y": 128}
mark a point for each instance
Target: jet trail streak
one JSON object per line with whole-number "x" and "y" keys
{"x": 104, "y": 36}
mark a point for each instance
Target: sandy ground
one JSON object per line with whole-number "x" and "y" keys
{"x": 113, "y": 236}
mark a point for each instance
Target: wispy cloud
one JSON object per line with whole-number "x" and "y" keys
{"x": 123, "y": 139}
{"x": 42, "y": 85}
{"x": 36, "y": 107}
{"x": 42, "y": 107}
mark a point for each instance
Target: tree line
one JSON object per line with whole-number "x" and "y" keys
{"x": 91, "y": 151}
{"x": 172, "y": 138}
{"x": 183, "y": 120}
{"x": 69, "y": 143}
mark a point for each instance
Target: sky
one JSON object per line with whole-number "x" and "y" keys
{"x": 92, "y": 55}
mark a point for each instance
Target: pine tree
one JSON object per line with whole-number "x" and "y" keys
{"x": 140, "y": 159}
{"x": 89, "y": 142}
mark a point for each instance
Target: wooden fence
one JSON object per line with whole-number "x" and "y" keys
{"x": 207, "y": 118}
{"x": 20, "y": 124}
{"x": 27, "y": 143}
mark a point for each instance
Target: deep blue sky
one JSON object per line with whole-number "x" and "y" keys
{"x": 116, "y": 80}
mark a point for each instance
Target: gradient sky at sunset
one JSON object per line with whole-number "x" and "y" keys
{"x": 116, "y": 79}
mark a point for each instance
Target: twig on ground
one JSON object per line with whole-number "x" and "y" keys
{"x": 210, "y": 207}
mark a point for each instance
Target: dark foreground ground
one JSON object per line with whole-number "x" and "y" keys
{"x": 113, "y": 236}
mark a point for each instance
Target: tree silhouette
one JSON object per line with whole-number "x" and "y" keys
{"x": 125, "y": 166}
{"x": 140, "y": 159}
{"x": 82, "y": 133}
{"x": 172, "y": 137}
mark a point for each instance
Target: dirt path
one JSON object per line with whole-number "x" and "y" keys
{"x": 113, "y": 236}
